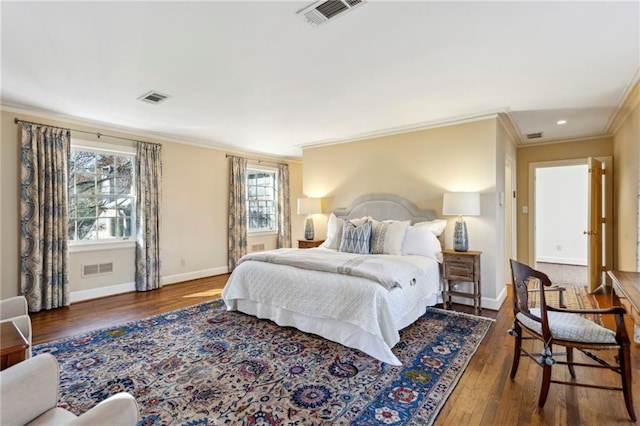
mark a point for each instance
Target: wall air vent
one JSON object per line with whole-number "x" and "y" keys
{"x": 257, "y": 247}
{"x": 536, "y": 135}
{"x": 153, "y": 97}
{"x": 324, "y": 11}
{"x": 97, "y": 269}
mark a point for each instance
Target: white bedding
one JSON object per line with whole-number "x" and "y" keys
{"x": 351, "y": 310}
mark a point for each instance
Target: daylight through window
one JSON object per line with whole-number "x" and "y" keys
{"x": 262, "y": 200}
{"x": 101, "y": 195}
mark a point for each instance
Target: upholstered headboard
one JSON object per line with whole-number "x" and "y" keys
{"x": 385, "y": 207}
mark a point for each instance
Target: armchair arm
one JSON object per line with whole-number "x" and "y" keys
{"x": 13, "y": 307}
{"x": 28, "y": 389}
{"x": 615, "y": 310}
{"x": 120, "y": 409}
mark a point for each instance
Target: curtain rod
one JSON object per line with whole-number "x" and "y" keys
{"x": 98, "y": 134}
{"x": 259, "y": 160}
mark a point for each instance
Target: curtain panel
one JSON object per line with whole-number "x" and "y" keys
{"x": 149, "y": 194}
{"x": 284, "y": 207}
{"x": 44, "y": 254}
{"x": 237, "y": 210}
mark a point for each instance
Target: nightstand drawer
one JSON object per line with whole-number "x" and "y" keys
{"x": 459, "y": 258}
{"x": 309, "y": 243}
{"x": 459, "y": 271}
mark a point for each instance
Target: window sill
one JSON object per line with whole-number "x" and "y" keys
{"x": 261, "y": 233}
{"x": 103, "y": 245}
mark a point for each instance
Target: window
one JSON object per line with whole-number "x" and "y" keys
{"x": 101, "y": 194}
{"x": 262, "y": 200}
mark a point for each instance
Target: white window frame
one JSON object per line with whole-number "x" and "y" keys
{"x": 111, "y": 243}
{"x": 261, "y": 168}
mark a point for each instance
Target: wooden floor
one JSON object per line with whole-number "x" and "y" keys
{"x": 484, "y": 396}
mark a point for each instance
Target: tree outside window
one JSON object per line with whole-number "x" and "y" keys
{"x": 101, "y": 195}
{"x": 261, "y": 200}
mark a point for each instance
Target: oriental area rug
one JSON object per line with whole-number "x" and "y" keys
{"x": 202, "y": 365}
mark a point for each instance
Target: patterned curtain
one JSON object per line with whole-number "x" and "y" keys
{"x": 284, "y": 207}
{"x": 237, "y": 211}
{"x": 44, "y": 255}
{"x": 149, "y": 194}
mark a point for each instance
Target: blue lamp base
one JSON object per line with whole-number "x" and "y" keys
{"x": 460, "y": 238}
{"x": 308, "y": 229}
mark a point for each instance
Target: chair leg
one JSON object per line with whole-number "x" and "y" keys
{"x": 570, "y": 362}
{"x": 517, "y": 350}
{"x": 546, "y": 383}
{"x": 625, "y": 370}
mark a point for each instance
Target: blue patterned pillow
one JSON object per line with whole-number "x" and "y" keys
{"x": 355, "y": 239}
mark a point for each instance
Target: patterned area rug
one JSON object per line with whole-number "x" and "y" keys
{"x": 203, "y": 365}
{"x": 575, "y": 297}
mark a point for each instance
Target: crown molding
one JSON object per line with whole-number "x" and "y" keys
{"x": 628, "y": 101}
{"x": 454, "y": 121}
{"x": 557, "y": 141}
{"x": 93, "y": 125}
{"x": 509, "y": 125}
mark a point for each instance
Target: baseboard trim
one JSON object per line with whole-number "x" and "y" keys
{"x": 493, "y": 304}
{"x": 188, "y": 276}
{"x": 96, "y": 293}
{"x": 570, "y": 261}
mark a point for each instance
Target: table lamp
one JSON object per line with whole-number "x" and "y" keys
{"x": 461, "y": 204}
{"x": 309, "y": 206}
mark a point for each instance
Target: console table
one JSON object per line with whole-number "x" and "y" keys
{"x": 626, "y": 285}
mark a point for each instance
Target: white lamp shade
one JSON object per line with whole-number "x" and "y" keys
{"x": 309, "y": 205}
{"x": 461, "y": 204}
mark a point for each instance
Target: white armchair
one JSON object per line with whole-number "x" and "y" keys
{"x": 29, "y": 395}
{"x": 15, "y": 309}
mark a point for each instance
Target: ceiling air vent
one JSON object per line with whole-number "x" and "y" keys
{"x": 323, "y": 11}
{"x": 536, "y": 135}
{"x": 153, "y": 97}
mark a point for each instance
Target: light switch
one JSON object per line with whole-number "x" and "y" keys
{"x": 525, "y": 209}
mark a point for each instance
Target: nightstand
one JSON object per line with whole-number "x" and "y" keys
{"x": 309, "y": 243}
{"x": 461, "y": 266}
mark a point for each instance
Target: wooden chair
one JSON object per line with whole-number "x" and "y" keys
{"x": 563, "y": 327}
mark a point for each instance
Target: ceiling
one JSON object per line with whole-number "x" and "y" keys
{"x": 252, "y": 75}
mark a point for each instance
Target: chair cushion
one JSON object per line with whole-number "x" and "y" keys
{"x": 572, "y": 327}
{"x": 55, "y": 416}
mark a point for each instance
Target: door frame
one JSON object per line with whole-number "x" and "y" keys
{"x": 607, "y": 208}
{"x": 508, "y": 200}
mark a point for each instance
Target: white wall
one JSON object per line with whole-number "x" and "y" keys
{"x": 561, "y": 214}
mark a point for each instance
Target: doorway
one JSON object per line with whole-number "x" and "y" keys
{"x": 561, "y": 266}
{"x": 561, "y": 218}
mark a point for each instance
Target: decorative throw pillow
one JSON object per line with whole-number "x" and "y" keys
{"x": 387, "y": 236}
{"x": 334, "y": 233}
{"x": 356, "y": 239}
{"x": 422, "y": 241}
{"x": 436, "y": 226}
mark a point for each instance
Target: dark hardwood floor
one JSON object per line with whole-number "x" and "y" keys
{"x": 485, "y": 394}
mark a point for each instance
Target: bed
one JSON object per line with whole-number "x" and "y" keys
{"x": 359, "y": 300}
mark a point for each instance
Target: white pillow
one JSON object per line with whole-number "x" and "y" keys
{"x": 387, "y": 236}
{"x": 334, "y": 233}
{"x": 360, "y": 220}
{"x": 422, "y": 241}
{"x": 436, "y": 226}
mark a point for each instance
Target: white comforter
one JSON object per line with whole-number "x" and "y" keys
{"x": 351, "y": 310}
{"x": 389, "y": 271}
